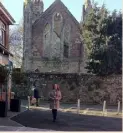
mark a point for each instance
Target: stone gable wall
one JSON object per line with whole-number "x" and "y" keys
{"x": 38, "y": 46}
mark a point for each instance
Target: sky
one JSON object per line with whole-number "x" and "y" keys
{"x": 15, "y": 7}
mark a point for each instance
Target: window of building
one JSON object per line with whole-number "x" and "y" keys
{"x": 66, "y": 51}
{"x": 47, "y": 38}
{"x": 35, "y": 53}
{"x": 57, "y": 17}
{"x": 47, "y": 35}
{"x": 67, "y": 30}
{"x": 57, "y": 22}
{"x": 2, "y": 33}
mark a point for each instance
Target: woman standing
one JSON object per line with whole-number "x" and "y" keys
{"x": 55, "y": 97}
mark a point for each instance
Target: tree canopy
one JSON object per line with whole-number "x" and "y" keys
{"x": 102, "y": 34}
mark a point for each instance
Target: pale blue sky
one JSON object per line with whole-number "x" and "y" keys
{"x": 15, "y": 7}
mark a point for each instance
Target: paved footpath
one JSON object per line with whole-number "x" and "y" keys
{"x": 42, "y": 119}
{"x": 6, "y": 121}
{"x": 6, "y": 124}
{"x": 83, "y": 107}
{"x": 10, "y": 128}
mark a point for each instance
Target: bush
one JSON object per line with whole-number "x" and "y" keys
{"x": 3, "y": 74}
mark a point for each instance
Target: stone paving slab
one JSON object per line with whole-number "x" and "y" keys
{"x": 6, "y": 121}
{"x": 6, "y": 124}
{"x": 10, "y": 128}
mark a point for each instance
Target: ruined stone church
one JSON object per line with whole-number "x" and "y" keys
{"x": 52, "y": 41}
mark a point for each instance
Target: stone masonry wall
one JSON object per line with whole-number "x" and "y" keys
{"x": 53, "y": 45}
{"x": 92, "y": 89}
{"x": 58, "y": 66}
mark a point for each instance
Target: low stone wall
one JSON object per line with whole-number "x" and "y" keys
{"x": 91, "y": 89}
{"x": 98, "y": 89}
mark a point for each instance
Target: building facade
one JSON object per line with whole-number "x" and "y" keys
{"x": 52, "y": 41}
{"x": 5, "y": 20}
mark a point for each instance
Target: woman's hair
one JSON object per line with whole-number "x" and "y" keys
{"x": 53, "y": 86}
{"x": 58, "y": 87}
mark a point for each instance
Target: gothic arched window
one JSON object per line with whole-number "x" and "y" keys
{"x": 57, "y": 17}
{"x": 47, "y": 31}
{"x": 57, "y": 23}
{"x": 67, "y": 30}
{"x": 66, "y": 47}
{"x": 66, "y": 50}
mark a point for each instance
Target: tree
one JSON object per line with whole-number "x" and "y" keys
{"x": 3, "y": 73}
{"x": 16, "y": 44}
{"x": 102, "y": 34}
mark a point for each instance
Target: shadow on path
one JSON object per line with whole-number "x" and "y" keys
{"x": 67, "y": 121}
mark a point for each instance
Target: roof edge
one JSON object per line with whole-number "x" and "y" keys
{"x": 10, "y": 18}
{"x": 50, "y": 7}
